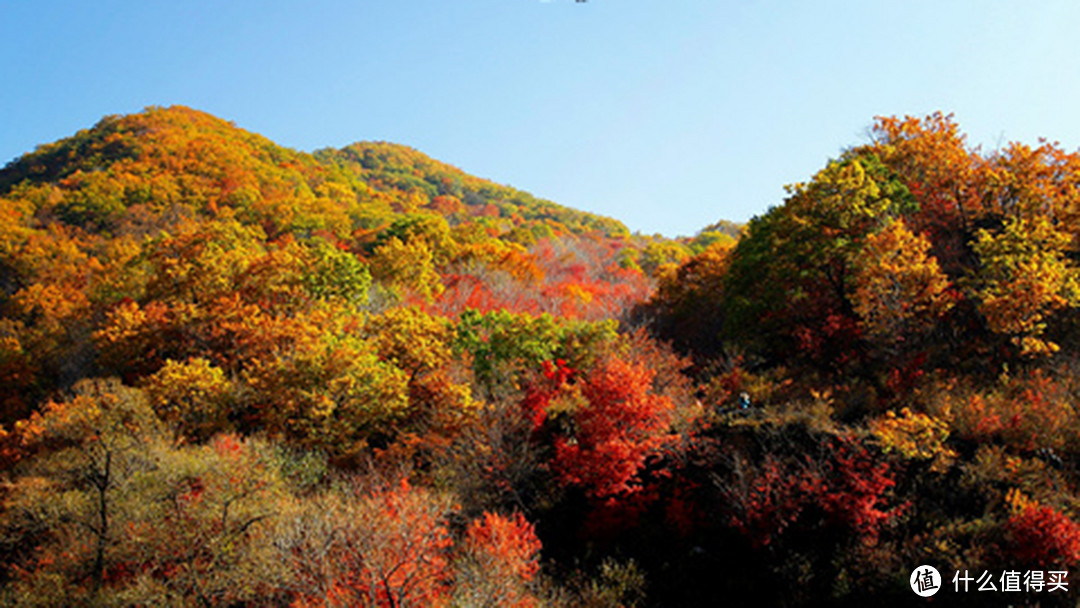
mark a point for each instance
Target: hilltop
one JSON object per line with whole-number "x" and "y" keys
{"x": 169, "y": 156}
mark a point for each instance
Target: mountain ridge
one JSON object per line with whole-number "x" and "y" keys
{"x": 170, "y": 141}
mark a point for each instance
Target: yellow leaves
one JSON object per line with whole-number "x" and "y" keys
{"x": 330, "y": 393}
{"x": 202, "y": 260}
{"x": 914, "y": 435}
{"x": 407, "y": 265}
{"x": 14, "y": 217}
{"x": 1018, "y": 502}
{"x": 102, "y": 412}
{"x": 49, "y": 305}
{"x": 1025, "y": 277}
{"x": 440, "y": 404}
{"x": 933, "y": 158}
{"x": 192, "y": 396}
{"x": 413, "y": 340}
{"x": 898, "y": 286}
{"x": 1031, "y": 182}
{"x": 511, "y": 258}
{"x": 578, "y": 293}
{"x": 658, "y": 255}
{"x": 840, "y": 199}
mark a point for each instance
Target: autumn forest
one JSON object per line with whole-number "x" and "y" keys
{"x": 235, "y": 374}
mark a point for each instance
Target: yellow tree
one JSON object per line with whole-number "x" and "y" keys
{"x": 899, "y": 288}
{"x": 421, "y": 345}
{"x": 407, "y": 265}
{"x": 192, "y": 396}
{"x": 326, "y": 391}
{"x": 1023, "y": 278}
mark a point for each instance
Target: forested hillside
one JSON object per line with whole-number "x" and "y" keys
{"x": 237, "y": 374}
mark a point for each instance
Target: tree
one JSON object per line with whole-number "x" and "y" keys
{"x": 899, "y": 289}
{"x": 83, "y": 487}
{"x": 326, "y": 391}
{"x": 946, "y": 178}
{"x": 406, "y": 266}
{"x": 192, "y": 396}
{"x": 685, "y": 303}
{"x": 386, "y": 547}
{"x": 104, "y": 510}
{"x": 620, "y": 427}
{"x": 1023, "y": 278}
{"x": 792, "y": 276}
{"x": 499, "y": 560}
{"x": 205, "y": 536}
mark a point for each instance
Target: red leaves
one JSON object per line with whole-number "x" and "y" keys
{"x": 392, "y": 547}
{"x": 539, "y": 394}
{"x": 575, "y": 278}
{"x": 387, "y": 549}
{"x": 623, "y": 426}
{"x": 501, "y": 560}
{"x": 847, "y": 489}
{"x": 510, "y": 541}
{"x": 855, "y": 494}
{"x": 1043, "y": 537}
{"x": 773, "y": 500}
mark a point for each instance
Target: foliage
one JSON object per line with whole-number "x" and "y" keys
{"x": 364, "y": 377}
{"x": 621, "y": 425}
{"x": 106, "y": 512}
{"x": 192, "y": 396}
{"x": 1044, "y": 537}
{"x": 1024, "y": 277}
{"x": 500, "y": 560}
{"x": 914, "y": 435}
{"x": 385, "y": 547}
{"x": 899, "y": 290}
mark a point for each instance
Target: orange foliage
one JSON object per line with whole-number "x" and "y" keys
{"x": 391, "y": 550}
{"x": 503, "y": 557}
{"x": 1025, "y": 413}
{"x": 622, "y": 426}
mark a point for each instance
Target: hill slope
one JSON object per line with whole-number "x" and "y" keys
{"x": 174, "y": 207}
{"x": 167, "y": 156}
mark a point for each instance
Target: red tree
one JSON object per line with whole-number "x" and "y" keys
{"x": 623, "y": 425}
{"x": 1043, "y": 536}
{"x": 501, "y": 559}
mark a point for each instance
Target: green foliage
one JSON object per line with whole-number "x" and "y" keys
{"x": 334, "y": 273}
{"x": 504, "y": 346}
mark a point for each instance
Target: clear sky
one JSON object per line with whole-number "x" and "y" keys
{"x": 665, "y": 114}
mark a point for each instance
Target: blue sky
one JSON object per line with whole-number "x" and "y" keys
{"x": 667, "y": 115}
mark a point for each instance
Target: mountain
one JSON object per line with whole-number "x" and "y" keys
{"x": 165, "y": 157}
{"x": 237, "y": 374}
{"x": 116, "y": 213}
